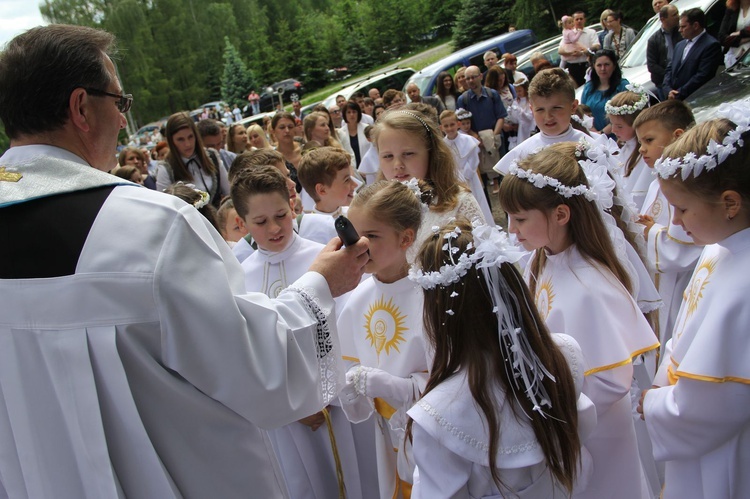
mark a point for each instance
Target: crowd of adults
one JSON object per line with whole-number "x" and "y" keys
{"x": 681, "y": 57}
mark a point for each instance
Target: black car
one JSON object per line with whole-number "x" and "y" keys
{"x": 728, "y": 86}
{"x": 292, "y": 90}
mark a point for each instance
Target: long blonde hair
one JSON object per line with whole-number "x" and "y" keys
{"x": 441, "y": 168}
{"x": 586, "y": 226}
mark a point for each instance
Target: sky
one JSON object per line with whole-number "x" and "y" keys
{"x": 16, "y": 16}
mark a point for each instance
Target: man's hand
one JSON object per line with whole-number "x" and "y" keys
{"x": 673, "y": 94}
{"x": 342, "y": 267}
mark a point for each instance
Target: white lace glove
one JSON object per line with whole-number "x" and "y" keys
{"x": 373, "y": 382}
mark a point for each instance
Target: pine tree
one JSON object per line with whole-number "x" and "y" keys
{"x": 479, "y": 20}
{"x": 236, "y": 80}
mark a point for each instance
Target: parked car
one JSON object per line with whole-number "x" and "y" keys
{"x": 290, "y": 89}
{"x": 729, "y": 86}
{"x": 471, "y": 56}
{"x": 393, "y": 78}
{"x": 256, "y": 119}
{"x": 146, "y": 132}
{"x": 548, "y": 48}
{"x": 218, "y": 104}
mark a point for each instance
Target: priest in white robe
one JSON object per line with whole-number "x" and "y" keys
{"x": 132, "y": 363}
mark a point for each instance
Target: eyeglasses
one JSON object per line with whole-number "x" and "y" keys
{"x": 336, "y": 111}
{"x": 123, "y": 101}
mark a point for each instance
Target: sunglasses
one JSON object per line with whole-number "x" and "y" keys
{"x": 123, "y": 101}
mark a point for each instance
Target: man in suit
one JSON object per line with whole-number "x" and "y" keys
{"x": 696, "y": 58}
{"x": 661, "y": 45}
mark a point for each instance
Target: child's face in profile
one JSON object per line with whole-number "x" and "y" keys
{"x": 269, "y": 220}
{"x": 622, "y": 130}
{"x": 653, "y": 137}
{"x": 387, "y": 246}
{"x": 449, "y": 126}
{"x": 552, "y": 113}
{"x": 341, "y": 190}
{"x": 465, "y": 125}
{"x": 234, "y": 230}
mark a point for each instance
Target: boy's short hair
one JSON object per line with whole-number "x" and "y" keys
{"x": 262, "y": 179}
{"x": 552, "y": 81}
{"x": 320, "y": 166}
{"x": 252, "y": 159}
{"x": 671, "y": 114}
{"x": 368, "y": 131}
{"x": 447, "y": 114}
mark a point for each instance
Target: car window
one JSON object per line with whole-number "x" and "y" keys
{"x": 478, "y": 61}
{"x": 516, "y": 44}
{"x": 636, "y": 56}
{"x": 421, "y": 81}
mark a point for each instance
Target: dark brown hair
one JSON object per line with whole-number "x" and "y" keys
{"x": 175, "y": 123}
{"x": 40, "y": 68}
{"x": 671, "y": 114}
{"x": 191, "y": 196}
{"x": 259, "y": 180}
{"x": 468, "y": 340}
{"x": 253, "y": 159}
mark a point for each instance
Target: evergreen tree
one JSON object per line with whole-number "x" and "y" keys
{"x": 236, "y": 80}
{"x": 481, "y": 19}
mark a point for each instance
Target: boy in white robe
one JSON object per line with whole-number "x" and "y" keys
{"x": 671, "y": 252}
{"x": 465, "y": 150}
{"x": 304, "y": 448}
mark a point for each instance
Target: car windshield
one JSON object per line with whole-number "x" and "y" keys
{"x": 636, "y": 56}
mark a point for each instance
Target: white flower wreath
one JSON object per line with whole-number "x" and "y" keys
{"x": 627, "y": 109}
{"x": 691, "y": 163}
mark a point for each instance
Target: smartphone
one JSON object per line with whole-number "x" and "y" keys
{"x": 346, "y": 231}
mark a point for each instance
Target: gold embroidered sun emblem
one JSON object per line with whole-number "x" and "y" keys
{"x": 384, "y": 324}
{"x": 6, "y": 176}
{"x": 656, "y": 208}
{"x": 694, "y": 291}
{"x": 544, "y": 298}
{"x": 698, "y": 284}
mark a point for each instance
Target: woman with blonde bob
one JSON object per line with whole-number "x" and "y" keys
{"x": 256, "y": 138}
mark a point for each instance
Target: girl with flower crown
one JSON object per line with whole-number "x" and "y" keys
{"x": 579, "y": 279}
{"x": 381, "y": 328}
{"x": 622, "y": 110}
{"x": 698, "y": 416}
{"x": 499, "y": 416}
{"x": 410, "y": 146}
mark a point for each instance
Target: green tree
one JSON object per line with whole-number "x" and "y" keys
{"x": 481, "y": 19}
{"x": 4, "y": 140}
{"x": 237, "y": 80}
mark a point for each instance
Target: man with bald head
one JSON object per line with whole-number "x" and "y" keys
{"x": 661, "y": 45}
{"x": 487, "y": 116}
{"x": 374, "y": 93}
{"x": 658, "y": 5}
{"x": 412, "y": 90}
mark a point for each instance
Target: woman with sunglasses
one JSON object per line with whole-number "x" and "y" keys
{"x": 189, "y": 161}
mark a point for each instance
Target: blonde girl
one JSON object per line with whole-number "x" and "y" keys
{"x": 316, "y": 127}
{"x": 410, "y": 146}
{"x": 256, "y": 138}
{"x": 381, "y": 328}
{"x": 622, "y": 110}
{"x": 483, "y": 328}
{"x": 698, "y": 419}
{"x": 582, "y": 288}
